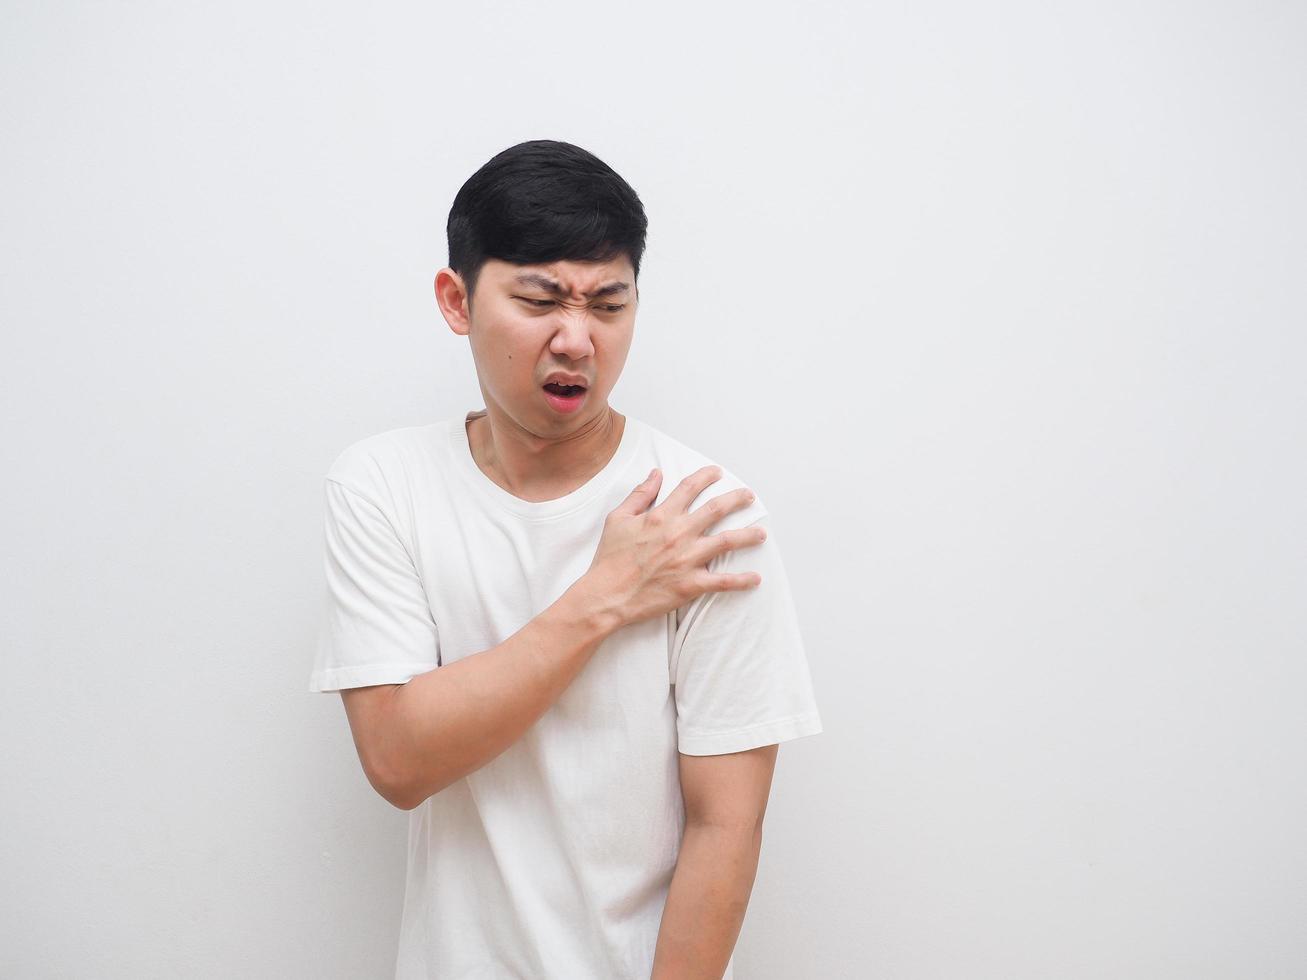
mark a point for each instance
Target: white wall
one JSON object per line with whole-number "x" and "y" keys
{"x": 1000, "y": 307}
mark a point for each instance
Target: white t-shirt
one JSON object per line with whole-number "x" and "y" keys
{"x": 554, "y": 859}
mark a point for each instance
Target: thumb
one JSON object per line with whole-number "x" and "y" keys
{"x": 642, "y": 496}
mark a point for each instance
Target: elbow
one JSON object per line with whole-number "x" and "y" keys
{"x": 402, "y": 794}
{"x": 382, "y": 743}
{"x": 408, "y": 799}
{"x": 399, "y": 781}
{"x": 403, "y": 803}
{"x": 391, "y": 778}
{"x": 391, "y": 787}
{"x": 398, "y": 797}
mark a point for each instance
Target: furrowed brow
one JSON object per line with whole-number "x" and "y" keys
{"x": 548, "y": 285}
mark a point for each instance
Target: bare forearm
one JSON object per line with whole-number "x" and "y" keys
{"x": 706, "y": 902}
{"x": 451, "y": 721}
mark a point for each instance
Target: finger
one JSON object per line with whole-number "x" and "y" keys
{"x": 688, "y": 490}
{"x": 642, "y": 496}
{"x": 724, "y": 541}
{"x": 736, "y": 581}
{"x": 719, "y": 506}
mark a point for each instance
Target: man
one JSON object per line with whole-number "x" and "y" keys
{"x": 565, "y": 656}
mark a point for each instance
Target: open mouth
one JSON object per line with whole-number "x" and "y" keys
{"x": 565, "y": 391}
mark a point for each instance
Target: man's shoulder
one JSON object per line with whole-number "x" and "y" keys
{"x": 376, "y": 463}
{"x": 677, "y": 460}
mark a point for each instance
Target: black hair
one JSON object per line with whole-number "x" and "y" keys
{"x": 542, "y": 201}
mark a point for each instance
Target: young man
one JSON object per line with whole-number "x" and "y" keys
{"x": 564, "y": 640}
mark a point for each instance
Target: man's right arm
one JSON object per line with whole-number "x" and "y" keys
{"x": 414, "y": 739}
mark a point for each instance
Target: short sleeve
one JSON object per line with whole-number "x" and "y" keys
{"x": 377, "y": 627}
{"x": 739, "y": 667}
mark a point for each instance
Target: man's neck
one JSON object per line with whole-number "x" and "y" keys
{"x": 535, "y": 469}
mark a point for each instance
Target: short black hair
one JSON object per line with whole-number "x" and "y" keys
{"x": 543, "y": 201}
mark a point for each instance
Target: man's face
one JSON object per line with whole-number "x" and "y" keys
{"x": 528, "y": 321}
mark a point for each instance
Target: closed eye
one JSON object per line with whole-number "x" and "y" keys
{"x": 540, "y": 303}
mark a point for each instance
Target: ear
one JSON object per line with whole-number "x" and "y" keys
{"x": 451, "y": 296}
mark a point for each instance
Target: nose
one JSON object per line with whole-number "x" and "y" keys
{"x": 572, "y": 338}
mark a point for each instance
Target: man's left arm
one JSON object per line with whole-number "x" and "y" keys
{"x": 725, "y": 801}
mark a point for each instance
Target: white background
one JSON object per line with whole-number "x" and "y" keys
{"x": 999, "y": 307}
